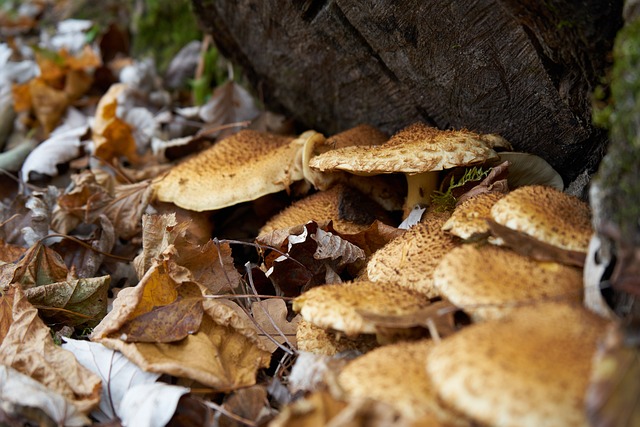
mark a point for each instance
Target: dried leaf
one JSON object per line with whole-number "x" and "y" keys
{"x": 49, "y": 104}
{"x": 118, "y": 374}
{"x": 150, "y": 405}
{"x": 27, "y": 346}
{"x": 373, "y": 238}
{"x": 40, "y": 266}
{"x": 112, "y": 136}
{"x": 9, "y": 252}
{"x": 271, "y": 315}
{"x": 249, "y": 403}
{"x": 73, "y": 302}
{"x": 19, "y": 394}
{"x": 230, "y": 103}
{"x": 224, "y": 354}
{"x": 316, "y": 409}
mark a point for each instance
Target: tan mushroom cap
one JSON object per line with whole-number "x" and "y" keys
{"x": 469, "y": 217}
{"x": 316, "y": 340}
{"x": 546, "y": 214}
{"x": 528, "y": 369}
{"x": 240, "y": 168}
{"x": 410, "y": 259}
{"x": 489, "y": 282}
{"x": 395, "y": 374}
{"x": 363, "y": 134}
{"x": 350, "y": 211}
{"x": 415, "y": 149}
{"x": 337, "y": 306}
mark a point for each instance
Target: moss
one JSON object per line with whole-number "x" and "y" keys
{"x": 163, "y": 28}
{"x": 619, "y": 173}
{"x": 443, "y": 201}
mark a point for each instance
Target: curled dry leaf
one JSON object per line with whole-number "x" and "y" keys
{"x": 112, "y": 136}
{"x": 118, "y": 374}
{"x": 314, "y": 257}
{"x": 27, "y": 346}
{"x": 271, "y": 315}
{"x": 20, "y": 394}
{"x": 40, "y": 266}
{"x": 223, "y": 351}
{"x": 210, "y": 265}
{"x": 249, "y": 403}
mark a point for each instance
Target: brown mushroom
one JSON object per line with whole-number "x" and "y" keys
{"x": 469, "y": 217}
{"x": 313, "y": 339}
{"x": 490, "y": 282}
{"x": 546, "y": 214}
{"x": 530, "y": 369}
{"x": 418, "y": 151}
{"x": 350, "y": 210}
{"x": 338, "y": 306}
{"x": 410, "y": 259}
{"x": 240, "y": 168}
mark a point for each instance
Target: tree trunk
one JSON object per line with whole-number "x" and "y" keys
{"x": 523, "y": 69}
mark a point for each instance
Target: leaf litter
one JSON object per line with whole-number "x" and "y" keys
{"x": 169, "y": 316}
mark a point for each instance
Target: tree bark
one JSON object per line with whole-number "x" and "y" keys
{"x": 523, "y": 69}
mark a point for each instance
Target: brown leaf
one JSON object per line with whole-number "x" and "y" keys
{"x": 373, "y": 238}
{"x": 73, "y": 302}
{"x": 224, "y": 354}
{"x": 27, "y": 347}
{"x": 248, "y": 403}
{"x": 316, "y": 409}
{"x": 112, "y": 136}
{"x": 40, "y": 266}
{"x": 167, "y": 323}
{"x": 531, "y": 247}
{"x": 9, "y": 252}
{"x": 49, "y": 104}
{"x": 271, "y": 315}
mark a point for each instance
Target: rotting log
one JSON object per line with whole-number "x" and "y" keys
{"x": 524, "y": 69}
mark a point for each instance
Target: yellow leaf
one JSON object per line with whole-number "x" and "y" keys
{"x": 112, "y": 136}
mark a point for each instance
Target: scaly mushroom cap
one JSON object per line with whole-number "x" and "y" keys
{"x": 337, "y": 306}
{"x": 395, "y": 374}
{"x": 350, "y": 211}
{"x": 417, "y": 148}
{"x": 489, "y": 282}
{"x": 546, "y": 214}
{"x": 316, "y": 340}
{"x": 528, "y": 369}
{"x": 240, "y": 168}
{"x": 410, "y": 259}
{"x": 469, "y": 217}
{"x": 356, "y": 136}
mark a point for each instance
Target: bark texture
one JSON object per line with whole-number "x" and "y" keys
{"x": 524, "y": 69}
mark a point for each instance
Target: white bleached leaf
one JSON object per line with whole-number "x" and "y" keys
{"x": 70, "y": 35}
{"x": 19, "y": 390}
{"x": 118, "y": 374}
{"x": 62, "y": 146}
{"x": 143, "y": 125}
{"x": 413, "y": 218}
{"x": 150, "y": 405}
{"x": 230, "y": 103}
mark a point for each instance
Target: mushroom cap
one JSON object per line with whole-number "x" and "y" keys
{"x": 350, "y": 211}
{"x": 242, "y": 167}
{"x": 546, "y": 214}
{"x": 469, "y": 217}
{"x": 490, "y": 282}
{"x": 313, "y": 339}
{"x": 395, "y": 374}
{"x": 337, "y": 306}
{"x": 415, "y": 149}
{"x": 528, "y": 369}
{"x": 363, "y": 134}
{"x": 410, "y": 259}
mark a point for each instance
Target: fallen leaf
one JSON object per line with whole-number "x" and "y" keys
{"x": 19, "y": 394}
{"x": 317, "y": 409}
{"x": 28, "y": 347}
{"x": 118, "y": 374}
{"x": 230, "y": 103}
{"x": 150, "y": 405}
{"x": 9, "y": 252}
{"x": 271, "y": 316}
{"x": 48, "y": 103}
{"x": 74, "y": 302}
{"x": 112, "y": 136}
{"x": 248, "y": 403}
{"x": 40, "y": 266}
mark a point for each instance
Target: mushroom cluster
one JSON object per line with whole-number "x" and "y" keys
{"x": 472, "y": 316}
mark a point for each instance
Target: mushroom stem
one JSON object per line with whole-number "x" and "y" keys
{"x": 420, "y": 186}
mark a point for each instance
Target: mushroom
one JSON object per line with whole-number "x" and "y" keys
{"x": 395, "y": 374}
{"x": 313, "y": 339}
{"x": 418, "y": 151}
{"x": 350, "y": 210}
{"x": 382, "y": 189}
{"x": 410, "y": 259}
{"x": 489, "y": 282}
{"x": 547, "y": 215}
{"x": 337, "y": 306}
{"x": 528, "y": 369}
{"x": 469, "y": 217}
{"x": 239, "y": 168}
